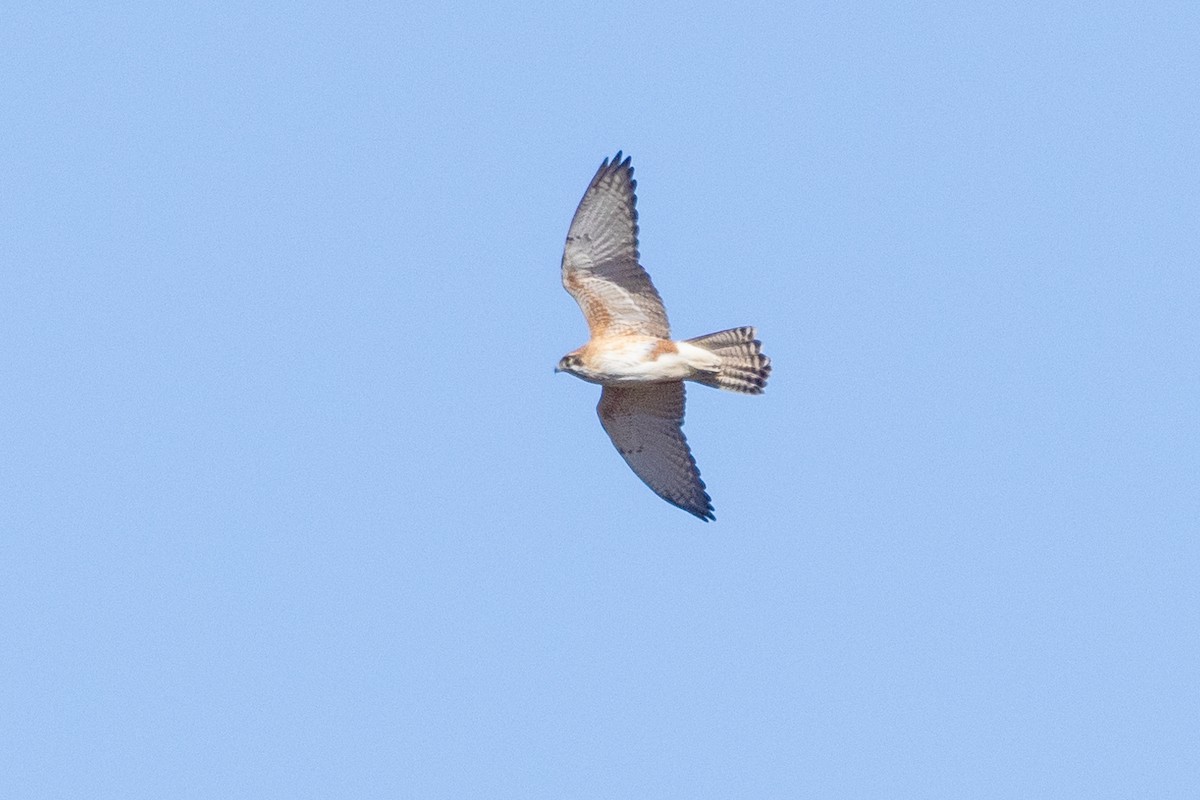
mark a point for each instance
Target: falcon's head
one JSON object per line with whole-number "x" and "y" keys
{"x": 571, "y": 363}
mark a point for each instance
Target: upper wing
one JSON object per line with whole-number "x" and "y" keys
{"x": 600, "y": 262}
{"x": 646, "y": 425}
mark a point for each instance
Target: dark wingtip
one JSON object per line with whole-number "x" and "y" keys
{"x": 703, "y": 513}
{"x": 707, "y": 514}
{"x": 611, "y": 166}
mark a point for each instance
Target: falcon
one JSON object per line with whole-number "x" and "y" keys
{"x": 631, "y": 352}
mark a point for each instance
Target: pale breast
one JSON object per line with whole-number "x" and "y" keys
{"x": 635, "y": 359}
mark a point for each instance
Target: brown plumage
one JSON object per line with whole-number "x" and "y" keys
{"x": 631, "y": 352}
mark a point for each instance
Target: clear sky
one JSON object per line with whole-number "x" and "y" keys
{"x": 293, "y": 505}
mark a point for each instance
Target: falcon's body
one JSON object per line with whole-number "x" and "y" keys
{"x": 631, "y": 360}
{"x": 631, "y": 352}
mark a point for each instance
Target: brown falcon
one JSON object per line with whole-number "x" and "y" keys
{"x": 631, "y": 352}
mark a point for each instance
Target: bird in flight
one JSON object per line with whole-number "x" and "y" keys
{"x": 631, "y": 352}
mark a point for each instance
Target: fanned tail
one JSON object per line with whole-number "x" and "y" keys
{"x": 744, "y": 368}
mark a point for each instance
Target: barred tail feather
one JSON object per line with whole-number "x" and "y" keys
{"x": 744, "y": 368}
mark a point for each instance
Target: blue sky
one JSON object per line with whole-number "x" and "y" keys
{"x": 294, "y": 506}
